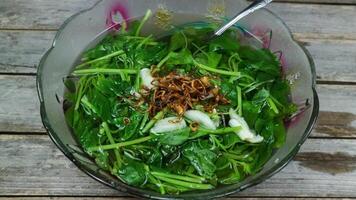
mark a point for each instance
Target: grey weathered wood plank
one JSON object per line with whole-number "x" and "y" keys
{"x": 31, "y": 165}
{"x": 39, "y": 14}
{"x": 337, "y": 114}
{"x": 305, "y": 20}
{"x": 20, "y": 52}
{"x": 19, "y": 108}
{"x": 334, "y": 59}
{"x": 315, "y": 21}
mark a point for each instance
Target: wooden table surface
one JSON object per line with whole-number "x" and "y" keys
{"x": 31, "y": 166}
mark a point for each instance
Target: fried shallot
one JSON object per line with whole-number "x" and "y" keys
{"x": 181, "y": 92}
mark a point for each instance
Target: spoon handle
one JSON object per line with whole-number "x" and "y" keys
{"x": 256, "y": 5}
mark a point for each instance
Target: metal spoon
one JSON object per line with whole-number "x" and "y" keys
{"x": 256, "y": 5}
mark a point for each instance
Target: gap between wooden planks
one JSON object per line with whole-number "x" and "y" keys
{"x": 323, "y": 168}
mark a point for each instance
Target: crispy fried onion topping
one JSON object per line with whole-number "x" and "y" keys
{"x": 180, "y": 93}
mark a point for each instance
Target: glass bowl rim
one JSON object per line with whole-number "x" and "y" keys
{"x": 129, "y": 189}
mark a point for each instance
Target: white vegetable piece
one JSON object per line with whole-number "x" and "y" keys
{"x": 147, "y": 78}
{"x": 216, "y": 119}
{"x": 168, "y": 124}
{"x": 245, "y": 133}
{"x": 200, "y": 117}
{"x": 134, "y": 93}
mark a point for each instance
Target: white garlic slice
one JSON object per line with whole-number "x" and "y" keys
{"x": 245, "y": 133}
{"x": 168, "y": 124}
{"x": 202, "y": 118}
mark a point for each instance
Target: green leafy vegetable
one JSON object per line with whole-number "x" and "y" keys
{"x": 201, "y": 158}
{"x": 175, "y": 137}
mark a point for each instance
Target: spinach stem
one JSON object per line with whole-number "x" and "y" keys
{"x": 175, "y": 187}
{"x": 137, "y": 81}
{"x": 158, "y": 116}
{"x": 276, "y": 101}
{"x": 217, "y": 142}
{"x": 116, "y": 53}
{"x": 218, "y": 71}
{"x": 112, "y": 141}
{"x": 144, "y": 120}
{"x": 161, "y": 63}
{"x": 82, "y": 72}
{"x": 202, "y": 132}
{"x": 178, "y": 177}
{"x": 254, "y": 86}
{"x": 79, "y": 94}
{"x": 232, "y": 65}
{"x": 221, "y": 130}
{"x": 144, "y": 41}
{"x": 143, "y": 21}
{"x": 235, "y": 157}
{"x": 83, "y": 85}
{"x": 272, "y": 105}
{"x": 84, "y": 100}
{"x": 239, "y": 99}
{"x": 121, "y": 144}
{"x": 190, "y": 185}
{"x": 195, "y": 176}
{"x": 157, "y": 183}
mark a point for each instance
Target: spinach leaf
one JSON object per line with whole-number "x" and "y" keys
{"x": 178, "y": 41}
{"x": 175, "y": 137}
{"x": 182, "y": 57}
{"x": 228, "y": 89}
{"x": 227, "y": 41}
{"x": 97, "y": 105}
{"x": 211, "y": 59}
{"x": 279, "y": 133}
{"x": 229, "y": 140}
{"x": 132, "y": 172}
{"x": 131, "y": 125}
{"x": 251, "y": 112}
{"x": 231, "y": 178}
{"x": 201, "y": 158}
{"x": 102, "y": 159}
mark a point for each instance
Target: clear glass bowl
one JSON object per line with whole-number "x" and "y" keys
{"x": 261, "y": 28}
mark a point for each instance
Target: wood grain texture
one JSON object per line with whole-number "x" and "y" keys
{"x": 39, "y": 14}
{"x": 33, "y": 166}
{"x": 21, "y": 51}
{"x": 19, "y": 108}
{"x": 337, "y": 111}
{"x": 315, "y": 21}
{"x": 334, "y": 60}
{"x": 305, "y": 20}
